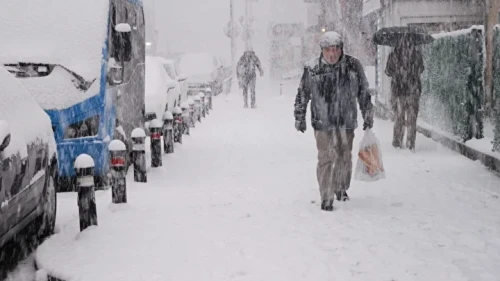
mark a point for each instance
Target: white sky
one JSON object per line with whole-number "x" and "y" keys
{"x": 197, "y": 25}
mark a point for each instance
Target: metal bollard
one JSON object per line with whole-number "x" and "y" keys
{"x": 191, "y": 113}
{"x": 168, "y": 132}
{"x": 197, "y": 108}
{"x": 208, "y": 93}
{"x": 178, "y": 126}
{"x": 155, "y": 136}
{"x": 139, "y": 155}
{"x": 118, "y": 163}
{"x": 203, "y": 104}
{"x": 185, "y": 118}
{"x": 84, "y": 168}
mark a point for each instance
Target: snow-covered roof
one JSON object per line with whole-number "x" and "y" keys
{"x": 23, "y": 118}
{"x": 70, "y": 33}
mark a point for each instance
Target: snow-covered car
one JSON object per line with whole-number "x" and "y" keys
{"x": 162, "y": 93}
{"x": 203, "y": 71}
{"x": 226, "y": 75}
{"x": 28, "y": 158}
{"x": 174, "y": 74}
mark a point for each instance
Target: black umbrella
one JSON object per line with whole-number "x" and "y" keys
{"x": 390, "y": 36}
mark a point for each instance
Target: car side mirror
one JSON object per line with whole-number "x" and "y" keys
{"x": 4, "y": 135}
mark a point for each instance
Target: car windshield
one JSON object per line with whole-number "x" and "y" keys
{"x": 170, "y": 70}
{"x": 30, "y": 70}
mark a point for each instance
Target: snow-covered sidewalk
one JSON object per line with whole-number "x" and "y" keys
{"x": 239, "y": 201}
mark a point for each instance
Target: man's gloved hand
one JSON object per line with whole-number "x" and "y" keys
{"x": 368, "y": 124}
{"x": 300, "y": 125}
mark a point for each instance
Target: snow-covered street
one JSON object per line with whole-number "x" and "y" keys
{"x": 238, "y": 200}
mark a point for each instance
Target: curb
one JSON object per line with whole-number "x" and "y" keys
{"x": 487, "y": 160}
{"x": 493, "y": 163}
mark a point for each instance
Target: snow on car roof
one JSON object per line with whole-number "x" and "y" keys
{"x": 70, "y": 33}
{"x": 58, "y": 91}
{"x": 197, "y": 63}
{"x": 164, "y": 60}
{"x": 26, "y": 121}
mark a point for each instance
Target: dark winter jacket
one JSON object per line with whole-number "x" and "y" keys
{"x": 333, "y": 90}
{"x": 405, "y": 65}
{"x": 245, "y": 69}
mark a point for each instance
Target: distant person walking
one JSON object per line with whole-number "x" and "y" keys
{"x": 405, "y": 65}
{"x": 333, "y": 82}
{"x": 245, "y": 71}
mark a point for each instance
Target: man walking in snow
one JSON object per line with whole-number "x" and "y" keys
{"x": 405, "y": 65}
{"x": 245, "y": 71}
{"x": 332, "y": 83}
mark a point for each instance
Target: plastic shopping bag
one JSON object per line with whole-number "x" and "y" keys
{"x": 370, "y": 166}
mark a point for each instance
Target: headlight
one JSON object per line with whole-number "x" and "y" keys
{"x": 81, "y": 129}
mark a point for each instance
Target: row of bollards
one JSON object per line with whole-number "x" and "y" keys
{"x": 175, "y": 124}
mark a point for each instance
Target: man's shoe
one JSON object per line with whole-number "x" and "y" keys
{"x": 327, "y": 205}
{"x": 397, "y": 144}
{"x": 342, "y": 196}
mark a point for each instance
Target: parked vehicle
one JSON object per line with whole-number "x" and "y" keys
{"x": 85, "y": 67}
{"x": 162, "y": 92}
{"x": 28, "y": 157}
{"x": 174, "y": 74}
{"x": 227, "y": 76}
{"x": 203, "y": 70}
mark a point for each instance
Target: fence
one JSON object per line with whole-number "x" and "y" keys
{"x": 496, "y": 88}
{"x": 453, "y": 83}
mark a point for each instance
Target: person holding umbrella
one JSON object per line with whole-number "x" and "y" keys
{"x": 405, "y": 64}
